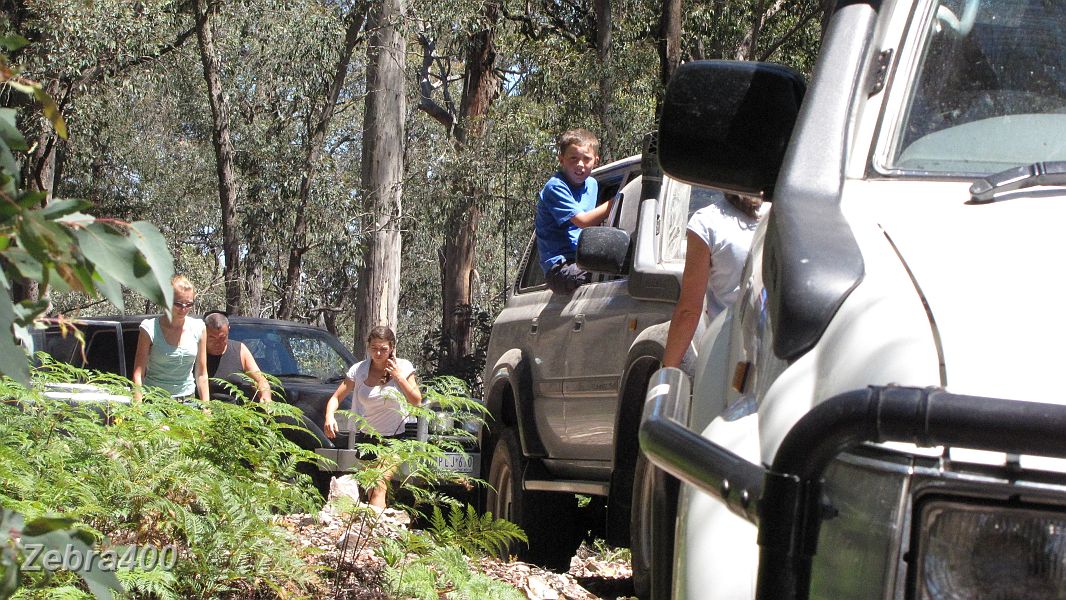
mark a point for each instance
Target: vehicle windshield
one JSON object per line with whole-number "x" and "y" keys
{"x": 292, "y": 352}
{"x": 990, "y": 89}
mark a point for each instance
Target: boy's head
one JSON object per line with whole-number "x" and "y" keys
{"x": 579, "y": 151}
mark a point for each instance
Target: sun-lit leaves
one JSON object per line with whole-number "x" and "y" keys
{"x": 56, "y": 245}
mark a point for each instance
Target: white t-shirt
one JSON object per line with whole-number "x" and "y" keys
{"x": 383, "y": 406}
{"x": 728, "y": 233}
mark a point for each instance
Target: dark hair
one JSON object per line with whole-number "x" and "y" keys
{"x": 578, "y": 137}
{"x": 381, "y": 332}
{"x": 384, "y": 334}
{"x": 748, "y": 205}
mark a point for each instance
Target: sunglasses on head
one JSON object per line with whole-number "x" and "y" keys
{"x": 183, "y": 304}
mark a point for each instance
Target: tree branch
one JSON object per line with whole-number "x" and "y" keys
{"x": 769, "y": 51}
{"x": 426, "y": 103}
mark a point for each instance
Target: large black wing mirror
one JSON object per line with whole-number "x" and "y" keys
{"x": 727, "y": 124}
{"x": 604, "y": 250}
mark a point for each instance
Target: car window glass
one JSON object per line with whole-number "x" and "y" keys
{"x": 533, "y": 276}
{"x": 291, "y": 352}
{"x": 682, "y": 201}
{"x": 315, "y": 357}
{"x": 101, "y": 352}
{"x": 627, "y": 210}
{"x": 989, "y": 92}
{"x": 64, "y": 349}
{"x": 271, "y": 353}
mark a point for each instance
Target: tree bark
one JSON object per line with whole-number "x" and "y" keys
{"x": 460, "y": 250}
{"x": 669, "y": 43}
{"x": 315, "y": 143}
{"x": 608, "y": 136}
{"x": 378, "y": 292}
{"x": 227, "y": 188}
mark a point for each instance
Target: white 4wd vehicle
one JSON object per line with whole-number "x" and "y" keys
{"x": 876, "y": 417}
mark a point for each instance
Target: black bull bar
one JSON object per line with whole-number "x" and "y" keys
{"x": 783, "y": 501}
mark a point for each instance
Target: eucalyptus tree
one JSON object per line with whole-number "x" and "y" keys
{"x": 465, "y": 123}
{"x": 204, "y": 14}
{"x": 783, "y": 31}
{"x": 57, "y": 245}
{"x": 383, "y": 136}
{"x": 74, "y": 49}
{"x": 317, "y": 125}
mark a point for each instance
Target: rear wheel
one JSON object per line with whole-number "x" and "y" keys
{"x": 548, "y": 519}
{"x": 651, "y": 530}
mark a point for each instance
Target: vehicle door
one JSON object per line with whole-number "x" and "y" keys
{"x": 102, "y": 351}
{"x": 608, "y": 320}
{"x": 598, "y": 335}
{"x": 549, "y": 321}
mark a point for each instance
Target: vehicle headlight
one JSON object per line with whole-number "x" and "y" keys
{"x": 990, "y": 552}
{"x": 858, "y": 540}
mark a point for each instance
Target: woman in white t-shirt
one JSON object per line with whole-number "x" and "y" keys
{"x": 719, "y": 239}
{"x": 378, "y": 386}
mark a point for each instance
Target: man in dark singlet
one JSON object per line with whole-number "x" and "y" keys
{"x": 230, "y": 360}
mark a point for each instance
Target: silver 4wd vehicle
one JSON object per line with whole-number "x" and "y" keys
{"x": 565, "y": 376}
{"x": 876, "y": 417}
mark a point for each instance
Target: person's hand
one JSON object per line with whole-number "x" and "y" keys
{"x": 391, "y": 366}
{"x": 330, "y": 426}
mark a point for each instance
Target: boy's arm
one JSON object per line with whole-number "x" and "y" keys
{"x": 594, "y": 216}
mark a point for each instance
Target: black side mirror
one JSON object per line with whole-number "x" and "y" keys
{"x": 603, "y": 250}
{"x": 727, "y": 124}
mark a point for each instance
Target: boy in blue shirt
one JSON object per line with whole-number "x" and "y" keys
{"x": 566, "y": 205}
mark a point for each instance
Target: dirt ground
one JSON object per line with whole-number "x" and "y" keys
{"x": 590, "y": 577}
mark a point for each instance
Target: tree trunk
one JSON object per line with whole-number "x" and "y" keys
{"x": 378, "y": 291}
{"x": 608, "y": 136}
{"x": 227, "y": 188}
{"x": 460, "y": 249}
{"x": 316, "y": 139}
{"x": 458, "y": 266}
{"x": 253, "y": 282}
{"x": 669, "y": 43}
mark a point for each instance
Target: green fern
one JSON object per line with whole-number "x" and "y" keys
{"x": 157, "y": 473}
{"x": 157, "y": 583}
{"x": 476, "y": 534}
{"x": 446, "y": 573}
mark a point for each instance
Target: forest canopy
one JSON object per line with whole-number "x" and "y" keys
{"x": 244, "y": 131}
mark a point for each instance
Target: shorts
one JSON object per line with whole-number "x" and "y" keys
{"x": 565, "y": 277}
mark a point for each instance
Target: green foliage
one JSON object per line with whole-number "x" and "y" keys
{"x": 607, "y": 553}
{"x": 52, "y": 534}
{"x": 445, "y": 573}
{"x": 57, "y": 245}
{"x": 475, "y": 534}
{"x": 207, "y": 479}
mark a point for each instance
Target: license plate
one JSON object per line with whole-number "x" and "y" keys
{"x": 454, "y": 461}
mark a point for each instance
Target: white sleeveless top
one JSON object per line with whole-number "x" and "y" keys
{"x": 383, "y": 406}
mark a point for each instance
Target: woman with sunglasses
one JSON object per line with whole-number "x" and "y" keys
{"x": 171, "y": 350}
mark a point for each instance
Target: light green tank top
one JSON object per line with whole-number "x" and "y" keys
{"x": 171, "y": 367}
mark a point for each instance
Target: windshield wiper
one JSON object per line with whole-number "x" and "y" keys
{"x": 1016, "y": 178}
